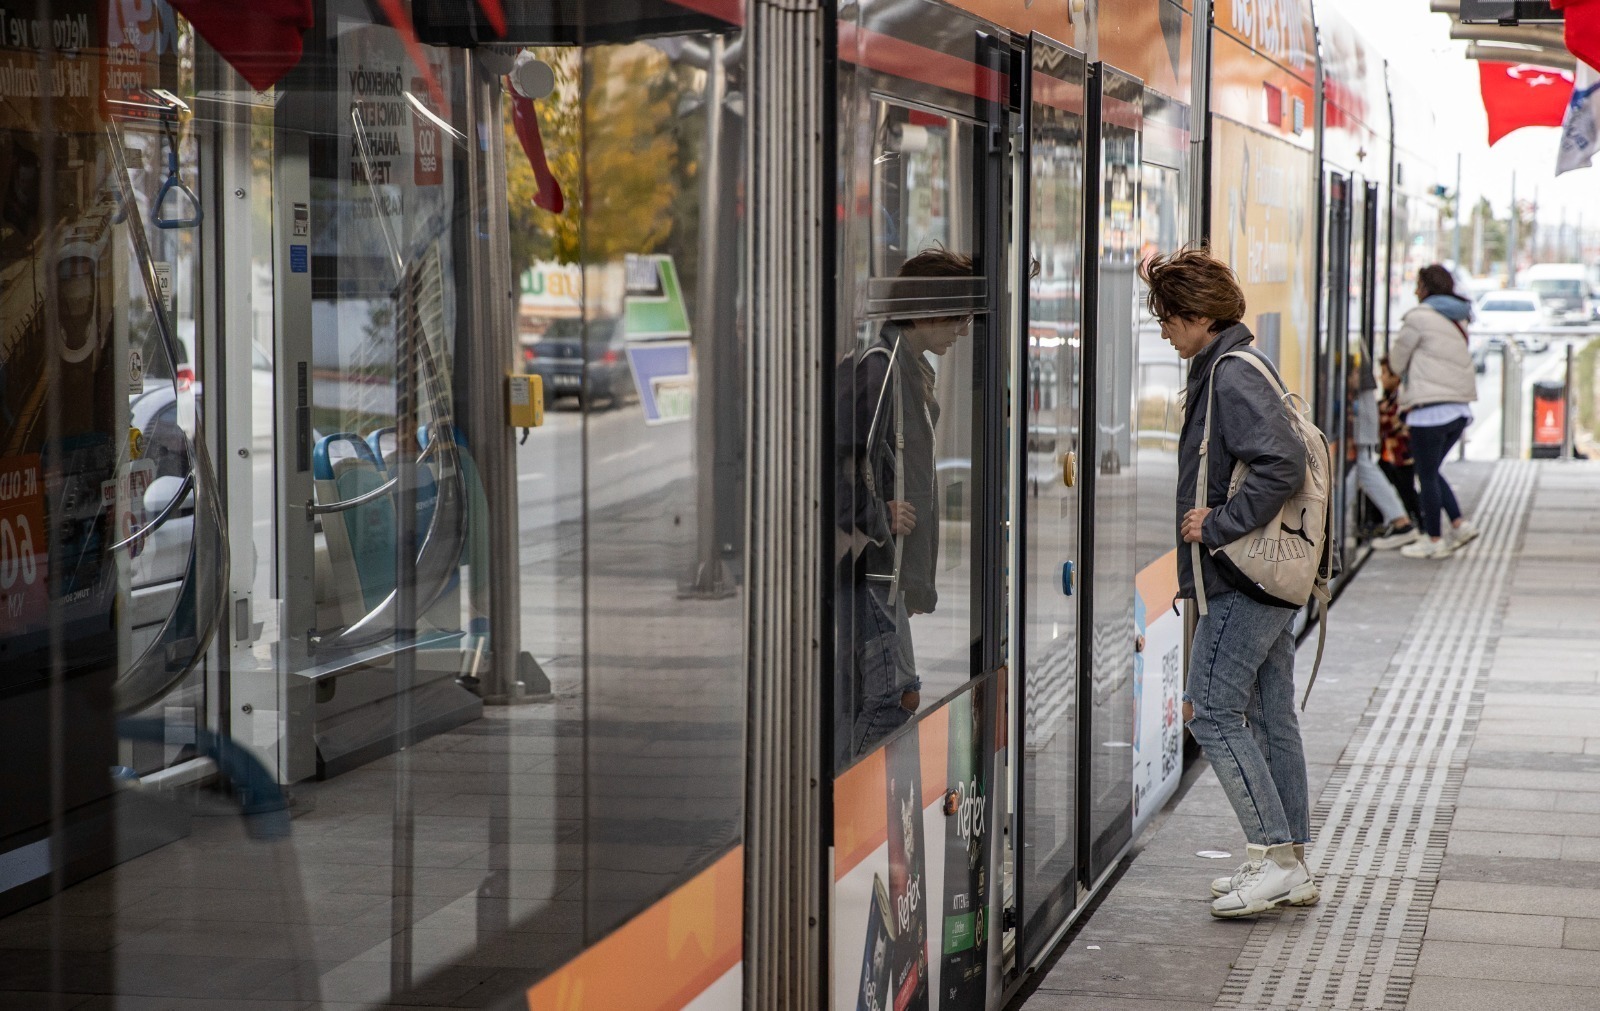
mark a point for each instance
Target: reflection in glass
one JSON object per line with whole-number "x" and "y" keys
{"x": 1051, "y": 498}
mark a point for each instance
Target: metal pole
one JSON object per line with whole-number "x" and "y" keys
{"x": 711, "y": 577}
{"x": 1569, "y": 429}
{"x": 1512, "y": 240}
{"x": 1455, "y": 250}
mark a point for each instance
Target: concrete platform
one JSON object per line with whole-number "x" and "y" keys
{"x": 1453, "y": 743}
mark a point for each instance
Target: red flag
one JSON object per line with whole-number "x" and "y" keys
{"x": 496, "y": 15}
{"x": 400, "y": 20}
{"x": 261, "y": 39}
{"x": 1582, "y": 28}
{"x": 1520, "y": 94}
{"x": 525, "y": 119}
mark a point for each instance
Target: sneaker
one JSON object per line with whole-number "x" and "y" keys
{"x": 1464, "y": 534}
{"x": 1222, "y": 886}
{"x": 1279, "y": 880}
{"x": 1427, "y": 547}
{"x": 1395, "y": 537}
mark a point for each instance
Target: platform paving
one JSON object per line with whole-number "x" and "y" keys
{"x": 1453, "y": 745}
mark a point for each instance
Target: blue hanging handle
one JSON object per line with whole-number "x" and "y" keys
{"x": 172, "y": 183}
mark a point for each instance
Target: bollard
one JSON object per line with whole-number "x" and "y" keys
{"x": 1549, "y": 419}
{"x": 1510, "y": 401}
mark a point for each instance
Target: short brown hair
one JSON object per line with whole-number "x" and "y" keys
{"x": 1435, "y": 279}
{"x": 1193, "y": 284}
{"x": 937, "y": 262}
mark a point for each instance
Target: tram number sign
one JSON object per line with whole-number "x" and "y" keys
{"x": 24, "y": 548}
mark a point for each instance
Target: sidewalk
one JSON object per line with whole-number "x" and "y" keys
{"x": 1453, "y": 743}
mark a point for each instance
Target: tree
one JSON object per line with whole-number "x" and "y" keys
{"x": 612, "y": 142}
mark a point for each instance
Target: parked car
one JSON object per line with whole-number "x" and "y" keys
{"x": 1564, "y": 290}
{"x": 581, "y": 358}
{"x": 1511, "y": 313}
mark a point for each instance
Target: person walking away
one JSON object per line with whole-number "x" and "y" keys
{"x": 1437, "y": 388}
{"x": 1398, "y": 530}
{"x": 1239, "y": 702}
{"x": 1395, "y": 457}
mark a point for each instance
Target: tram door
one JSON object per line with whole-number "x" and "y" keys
{"x": 1335, "y": 340}
{"x": 1049, "y": 505}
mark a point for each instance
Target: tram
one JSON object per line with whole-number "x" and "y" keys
{"x": 445, "y": 553}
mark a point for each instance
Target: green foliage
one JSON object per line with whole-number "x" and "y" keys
{"x": 622, "y": 155}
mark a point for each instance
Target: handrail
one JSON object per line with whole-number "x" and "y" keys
{"x": 315, "y": 508}
{"x": 160, "y": 667}
{"x": 161, "y": 517}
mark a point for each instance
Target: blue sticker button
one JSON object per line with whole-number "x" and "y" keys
{"x": 299, "y": 262}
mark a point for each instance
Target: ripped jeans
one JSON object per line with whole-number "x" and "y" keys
{"x": 1241, "y": 688}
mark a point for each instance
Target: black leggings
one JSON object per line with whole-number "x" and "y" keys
{"x": 1430, "y": 444}
{"x": 1404, "y": 478}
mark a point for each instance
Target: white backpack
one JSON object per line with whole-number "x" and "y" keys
{"x": 1289, "y": 561}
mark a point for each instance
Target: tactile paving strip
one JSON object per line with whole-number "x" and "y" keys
{"x": 1380, "y": 826}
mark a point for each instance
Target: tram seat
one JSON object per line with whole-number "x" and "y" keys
{"x": 360, "y": 539}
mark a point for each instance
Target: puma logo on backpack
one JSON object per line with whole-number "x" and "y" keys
{"x": 1264, "y": 564}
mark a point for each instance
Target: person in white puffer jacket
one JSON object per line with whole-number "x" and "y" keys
{"x": 1437, "y": 388}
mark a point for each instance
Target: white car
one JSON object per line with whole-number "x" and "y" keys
{"x": 1511, "y": 313}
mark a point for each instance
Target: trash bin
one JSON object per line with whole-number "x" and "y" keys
{"x": 1549, "y": 418}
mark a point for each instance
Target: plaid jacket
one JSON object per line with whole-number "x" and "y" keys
{"x": 1396, "y": 437}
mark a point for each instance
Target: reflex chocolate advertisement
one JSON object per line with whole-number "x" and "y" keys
{"x": 915, "y": 864}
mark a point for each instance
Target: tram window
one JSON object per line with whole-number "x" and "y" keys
{"x": 909, "y": 460}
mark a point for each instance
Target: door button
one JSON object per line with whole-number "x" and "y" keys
{"x": 1069, "y": 469}
{"x": 1066, "y": 578}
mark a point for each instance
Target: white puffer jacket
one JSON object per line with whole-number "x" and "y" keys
{"x": 1432, "y": 359}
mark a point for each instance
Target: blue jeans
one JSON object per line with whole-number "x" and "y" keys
{"x": 1241, "y": 688}
{"x": 1430, "y": 444}
{"x": 887, "y": 667}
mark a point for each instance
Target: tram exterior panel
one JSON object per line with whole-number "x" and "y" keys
{"x": 591, "y": 714}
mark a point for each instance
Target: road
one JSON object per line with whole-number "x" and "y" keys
{"x": 1482, "y": 441}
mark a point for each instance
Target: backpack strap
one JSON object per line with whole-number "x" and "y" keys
{"x": 1205, "y": 445}
{"x": 891, "y": 389}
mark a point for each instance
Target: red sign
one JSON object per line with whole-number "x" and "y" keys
{"x": 1549, "y": 421}
{"x": 24, "y": 548}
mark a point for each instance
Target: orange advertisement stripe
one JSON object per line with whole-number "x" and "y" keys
{"x": 1157, "y": 584}
{"x": 664, "y": 957}
{"x": 935, "y": 747}
{"x": 860, "y": 815}
{"x": 860, "y": 804}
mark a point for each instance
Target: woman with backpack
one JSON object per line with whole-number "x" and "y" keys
{"x": 1437, "y": 387}
{"x": 1239, "y": 702}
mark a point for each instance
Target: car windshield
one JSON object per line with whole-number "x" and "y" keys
{"x": 1564, "y": 287}
{"x": 1506, "y": 305}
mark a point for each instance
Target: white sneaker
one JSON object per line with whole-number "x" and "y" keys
{"x": 1279, "y": 880}
{"x": 1463, "y": 534}
{"x": 1427, "y": 547}
{"x": 1395, "y": 538}
{"x": 1222, "y": 886}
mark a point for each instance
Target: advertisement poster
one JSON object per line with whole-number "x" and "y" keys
{"x": 1157, "y": 692}
{"x": 52, "y": 493}
{"x": 908, "y": 864}
{"x": 916, "y": 857}
{"x": 965, "y": 930}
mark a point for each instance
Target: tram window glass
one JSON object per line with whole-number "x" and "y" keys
{"x": 1054, "y": 370}
{"x": 438, "y": 844}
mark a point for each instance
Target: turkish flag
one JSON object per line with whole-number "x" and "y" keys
{"x": 261, "y": 39}
{"x": 1516, "y": 95}
{"x": 1582, "y": 28}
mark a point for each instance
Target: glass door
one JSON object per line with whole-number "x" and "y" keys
{"x": 1048, "y": 499}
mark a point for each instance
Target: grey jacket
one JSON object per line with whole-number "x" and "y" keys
{"x": 1252, "y": 425}
{"x": 1431, "y": 357}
